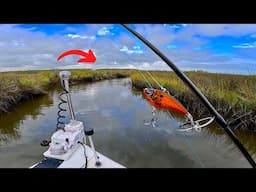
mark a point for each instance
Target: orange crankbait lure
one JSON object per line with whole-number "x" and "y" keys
{"x": 162, "y": 100}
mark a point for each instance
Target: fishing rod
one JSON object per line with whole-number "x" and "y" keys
{"x": 219, "y": 119}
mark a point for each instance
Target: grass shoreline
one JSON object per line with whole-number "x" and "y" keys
{"x": 16, "y": 87}
{"x": 234, "y": 96}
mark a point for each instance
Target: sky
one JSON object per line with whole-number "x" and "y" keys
{"x": 218, "y": 48}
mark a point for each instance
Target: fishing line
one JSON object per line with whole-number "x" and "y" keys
{"x": 159, "y": 84}
{"x": 161, "y": 87}
{"x": 153, "y": 120}
{"x": 145, "y": 79}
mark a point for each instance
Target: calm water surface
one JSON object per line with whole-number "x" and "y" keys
{"x": 117, "y": 114}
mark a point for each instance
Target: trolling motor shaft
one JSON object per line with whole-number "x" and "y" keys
{"x": 64, "y": 77}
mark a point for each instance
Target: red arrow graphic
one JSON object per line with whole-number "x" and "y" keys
{"x": 86, "y": 57}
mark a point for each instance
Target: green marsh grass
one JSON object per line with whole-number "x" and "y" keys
{"x": 231, "y": 95}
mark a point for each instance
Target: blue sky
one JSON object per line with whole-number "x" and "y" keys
{"x": 224, "y": 48}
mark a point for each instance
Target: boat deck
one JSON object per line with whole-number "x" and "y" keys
{"x": 77, "y": 160}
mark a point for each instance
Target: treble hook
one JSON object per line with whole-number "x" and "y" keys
{"x": 153, "y": 121}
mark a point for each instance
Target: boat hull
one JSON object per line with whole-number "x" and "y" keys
{"x": 77, "y": 160}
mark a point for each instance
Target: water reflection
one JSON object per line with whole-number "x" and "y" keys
{"x": 11, "y": 122}
{"x": 117, "y": 114}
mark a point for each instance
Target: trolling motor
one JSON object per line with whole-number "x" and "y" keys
{"x": 68, "y": 137}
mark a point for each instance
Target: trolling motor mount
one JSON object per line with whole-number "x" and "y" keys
{"x": 67, "y": 139}
{"x": 65, "y": 142}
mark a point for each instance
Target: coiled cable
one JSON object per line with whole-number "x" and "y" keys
{"x": 60, "y": 116}
{"x": 60, "y": 123}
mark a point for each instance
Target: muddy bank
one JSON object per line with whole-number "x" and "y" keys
{"x": 10, "y": 97}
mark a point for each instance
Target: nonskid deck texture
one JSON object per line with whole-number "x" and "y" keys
{"x": 77, "y": 160}
{"x": 48, "y": 163}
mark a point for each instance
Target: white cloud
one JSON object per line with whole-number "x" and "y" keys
{"x": 159, "y": 35}
{"x": 76, "y": 66}
{"x": 213, "y": 30}
{"x": 246, "y": 45}
{"x": 73, "y": 36}
{"x": 136, "y": 49}
{"x": 22, "y": 48}
{"x": 184, "y": 25}
{"x": 157, "y": 65}
{"x": 131, "y": 66}
{"x": 103, "y": 31}
{"x": 174, "y": 26}
{"x": 32, "y": 28}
